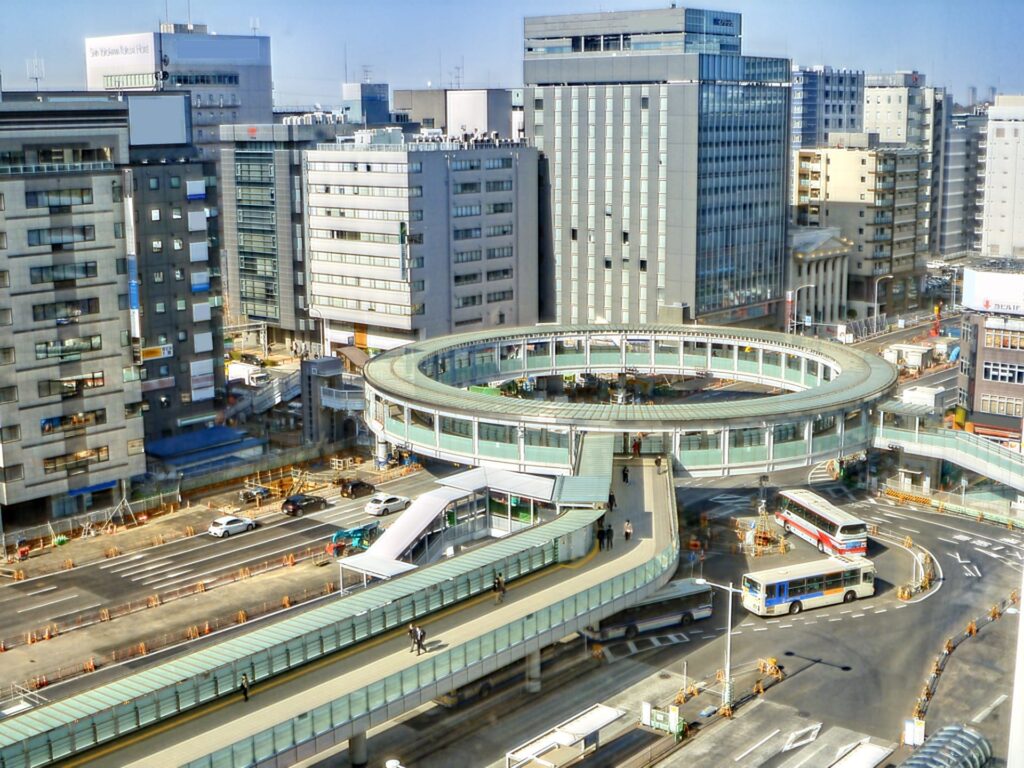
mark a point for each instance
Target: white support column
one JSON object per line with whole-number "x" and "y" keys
{"x": 769, "y": 441}
{"x": 358, "y": 756}
{"x": 809, "y": 436}
{"x": 380, "y": 452}
{"x": 532, "y": 662}
{"x": 724, "y": 437}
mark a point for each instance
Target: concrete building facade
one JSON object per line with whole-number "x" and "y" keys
{"x": 904, "y": 111}
{"x": 412, "y": 240}
{"x": 665, "y": 160}
{"x": 877, "y": 195}
{"x": 991, "y": 377}
{"x": 261, "y": 218}
{"x": 228, "y": 77}
{"x": 825, "y": 100}
{"x": 365, "y": 103}
{"x": 70, "y": 394}
{"x": 457, "y": 112}
{"x": 1002, "y": 232}
{"x": 817, "y": 278}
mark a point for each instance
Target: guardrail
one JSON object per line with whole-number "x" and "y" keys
{"x": 914, "y": 496}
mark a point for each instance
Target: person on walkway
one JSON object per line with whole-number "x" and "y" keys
{"x": 600, "y": 537}
{"x": 421, "y": 637}
{"x": 657, "y": 464}
{"x": 609, "y": 536}
{"x": 611, "y": 500}
{"x": 498, "y": 587}
{"x": 636, "y": 448}
{"x": 627, "y": 530}
{"x": 412, "y": 637}
{"x": 245, "y": 686}
{"x": 625, "y": 475}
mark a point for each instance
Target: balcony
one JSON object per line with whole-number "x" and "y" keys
{"x": 882, "y": 184}
{"x": 881, "y": 220}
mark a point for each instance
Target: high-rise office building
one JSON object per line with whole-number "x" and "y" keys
{"x": 876, "y": 194}
{"x": 261, "y": 217}
{"x": 825, "y": 100}
{"x": 904, "y": 111}
{"x": 227, "y": 76}
{"x": 666, "y": 155}
{"x": 963, "y": 184}
{"x": 1002, "y": 232}
{"x": 411, "y": 240}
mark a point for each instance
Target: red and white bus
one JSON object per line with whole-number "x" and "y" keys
{"x": 832, "y": 530}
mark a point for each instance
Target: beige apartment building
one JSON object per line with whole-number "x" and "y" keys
{"x": 878, "y": 197}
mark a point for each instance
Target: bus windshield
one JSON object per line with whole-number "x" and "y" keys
{"x": 751, "y": 586}
{"x": 854, "y": 529}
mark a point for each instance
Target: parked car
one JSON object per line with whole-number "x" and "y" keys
{"x": 385, "y": 504}
{"x": 353, "y": 488}
{"x": 249, "y": 495}
{"x": 300, "y": 504}
{"x": 251, "y": 359}
{"x": 223, "y": 527}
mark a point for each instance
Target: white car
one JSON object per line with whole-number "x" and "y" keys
{"x": 385, "y": 504}
{"x": 223, "y": 527}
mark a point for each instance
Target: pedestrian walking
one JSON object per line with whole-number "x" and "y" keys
{"x": 657, "y": 464}
{"x": 421, "y": 637}
{"x": 412, "y": 637}
{"x": 498, "y": 587}
{"x": 636, "y": 448}
{"x": 245, "y": 686}
{"x": 627, "y": 530}
{"x": 609, "y": 537}
{"x": 600, "y": 537}
{"x": 625, "y": 475}
{"x": 611, "y": 500}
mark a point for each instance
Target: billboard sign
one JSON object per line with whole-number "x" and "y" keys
{"x": 997, "y": 292}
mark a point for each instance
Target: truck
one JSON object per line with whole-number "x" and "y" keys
{"x": 252, "y": 375}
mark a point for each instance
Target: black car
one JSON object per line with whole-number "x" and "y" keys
{"x": 251, "y": 359}
{"x": 353, "y": 489}
{"x": 299, "y": 505}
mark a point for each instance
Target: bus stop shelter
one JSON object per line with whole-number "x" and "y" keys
{"x": 567, "y": 742}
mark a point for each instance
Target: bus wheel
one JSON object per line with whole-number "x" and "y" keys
{"x": 631, "y": 631}
{"x": 786, "y": 528}
{"x": 796, "y": 607}
{"x": 485, "y": 690}
{"x": 850, "y": 596}
{"x": 687, "y": 619}
{"x": 821, "y": 547}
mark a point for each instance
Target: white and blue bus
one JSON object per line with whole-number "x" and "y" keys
{"x": 678, "y": 603}
{"x": 792, "y": 588}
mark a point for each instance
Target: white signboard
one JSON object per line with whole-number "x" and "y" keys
{"x": 998, "y": 292}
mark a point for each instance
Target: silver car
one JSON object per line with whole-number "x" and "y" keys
{"x": 223, "y": 527}
{"x": 385, "y": 504}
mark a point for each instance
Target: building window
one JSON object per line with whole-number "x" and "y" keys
{"x": 6, "y": 355}
{"x": 462, "y": 257}
{"x": 465, "y": 188}
{"x": 3, "y": 241}
{"x": 6, "y": 317}
{"x": 499, "y": 296}
{"x": 119, "y": 230}
{"x": 159, "y": 307}
{"x": 8, "y": 394}
{"x": 181, "y": 305}
{"x": 177, "y": 243}
{"x": 58, "y": 198}
{"x": 468, "y": 301}
{"x": 13, "y": 472}
{"x": 497, "y": 162}
{"x": 158, "y": 277}
{"x": 467, "y": 164}
{"x": 158, "y": 246}
{"x": 175, "y": 182}
{"x": 499, "y": 274}
{"x": 154, "y": 214}
{"x": 62, "y": 272}
{"x": 467, "y": 234}
{"x": 154, "y": 182}
{"x": 502, "y": 185}
{"x": 182, "y": 335}
{"x": 466, "y": 210}
{"x": 65, "y": 311}
{"x": 499, "y": 230}
{"x": 175, "y": 213}
{"x": 77, "y": 462}
{"x": 10, "y": 434}
{"x": 501, "y": 252}
{"x": 62, "y": 235}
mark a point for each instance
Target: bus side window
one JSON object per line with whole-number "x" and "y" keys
{"x": 849, "y": 578}
{"x": 833, "y": 581}
{"x": 868, "y": 577}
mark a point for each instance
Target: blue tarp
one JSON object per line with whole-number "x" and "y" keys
{"x": 216, "y": 452}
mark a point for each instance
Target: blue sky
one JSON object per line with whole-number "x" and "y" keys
{"x": 409, "y": 43}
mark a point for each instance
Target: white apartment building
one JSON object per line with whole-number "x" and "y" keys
{"x": 904, "y": 111}
{"x": 1003, "y": 207}
{"x": 877, "y": 195}
{"x": 411, "y": 240}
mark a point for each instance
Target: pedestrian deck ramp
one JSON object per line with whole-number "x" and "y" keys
{"x": 335, "y": 671}
{"x": 962, "y": 448}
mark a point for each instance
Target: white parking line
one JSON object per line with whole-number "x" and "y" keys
{"x": 904, "y": 528}
{"x": 857, "y": 616}
{"x": 831, "y": 620}
{"x": 761, "y": 629}
{"x": 785, "y": 626}
{"x": 44, "y": 605}
{"x": 120, "y": 561}
{"x": 762, "y": 741}
{"x": 40, "y": 591}
{"x": 881, "y": 610}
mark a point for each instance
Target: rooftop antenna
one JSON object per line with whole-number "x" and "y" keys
{"x": 35, "y": 69}
{"x": 254, "y": 24}
{"x": 189, "y": 15}
{"x": 344, "y": 49}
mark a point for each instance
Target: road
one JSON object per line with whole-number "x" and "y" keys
{"x": 81, "y": 592}
{"x": 859, "y": 667}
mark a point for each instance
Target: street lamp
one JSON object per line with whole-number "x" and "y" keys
{"x": 877, "y": 281}
{"x": 963, "y": 491}
{"x": 727, "y": 686}
{"x": 952, "y": 284}
{"x": 796, "y": 304}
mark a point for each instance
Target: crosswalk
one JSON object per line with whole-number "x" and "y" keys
{"x": 618, "y": 650}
